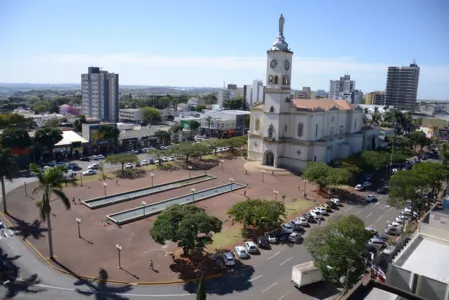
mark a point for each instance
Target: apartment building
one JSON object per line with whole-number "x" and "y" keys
{"x": 375, "y": 98}
{"x": 253, "y": 93}
{"x": 344, "y": 84}
{"x": 402, "y": 87}
{"x": 100, "y": 95}
{"x": 130, "y": 115}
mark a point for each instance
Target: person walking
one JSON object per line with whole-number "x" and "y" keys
{"x": 319, "y": 222}
{"x": 151, "y": 265}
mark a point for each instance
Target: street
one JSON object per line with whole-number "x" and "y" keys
{"x": 268, "y": 275}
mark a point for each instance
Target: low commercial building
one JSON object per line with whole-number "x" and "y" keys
{"x": 141, "y": 137}
{"x": 96, "y": 142}
{"x": 71, "y": 145}
{"x": 222, "y": 123}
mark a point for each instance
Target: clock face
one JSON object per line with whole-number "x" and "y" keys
{"x": 273, "y": 63}
{"x": 286, "y": 64}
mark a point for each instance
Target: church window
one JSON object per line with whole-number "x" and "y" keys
{"x": 272, "y": 109}
{"x": 316, "y": 130}
{"x": 270, "y": 79}
{"x": 276, "y": 79}
{"x": 300, "y": 129}
{"x": 270, "y": 131}
{"x": 332, "y": 131}
{"x": 257, "y": 125}
{"x": 285, "y": 80}
{"x": 355, "y": 124}
{"x": 314, "y": 158}
{"x": 341, "y": 131}
{"x": 285, "y": 128}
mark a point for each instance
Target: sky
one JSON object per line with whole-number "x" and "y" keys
{"x": 204, "y": 43}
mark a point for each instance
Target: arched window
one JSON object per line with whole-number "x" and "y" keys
{"x": 270, "y": 79}
{"x": 272, "y": 109}
{"x": 285, "y": 80}
{"x": 276, "y": 79}
{"x": 300, "y": 129}
{"x": 285, "y": 128}
{"x": 341, "y": 131}
{"x": 257, "y": 124}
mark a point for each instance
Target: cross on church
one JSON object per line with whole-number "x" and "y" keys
{"x": 298, "y": 152}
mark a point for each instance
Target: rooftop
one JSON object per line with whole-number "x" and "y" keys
{"x": 69, "y": 137}
{"x": 423, "y": 251}
{"x": 378, "y": 294}
{"x": 325, "y": 104}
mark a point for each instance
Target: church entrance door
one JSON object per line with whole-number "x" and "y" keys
{"x": 269, "y": 158}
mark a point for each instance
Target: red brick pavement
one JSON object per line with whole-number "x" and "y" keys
{"x": 98, "y": 250}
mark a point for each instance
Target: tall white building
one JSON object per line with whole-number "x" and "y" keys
{"x": 100, "y": 95}
{"x": 344, "y": 84}
{"x": 254, "y": 93}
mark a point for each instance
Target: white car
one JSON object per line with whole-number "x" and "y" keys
{"x": 301, "y": 221}
{"x": 322, "y": 210}
{"x": 93, "y": 157}
{"x": 316, "y": 214}
{"x": 241, "y": 252}
{"x": 156, "y": 161}
{"x": 93, "y": 166}
{"x": 295, "y": 237}
{"x": 372, "y": 230}
{"x": 336, "y": 201}
{"x": 128, "y": 166}
{"x": 144, "y": 162}
{"x": 359, "y": 187}
{"x": 394, "y": 228}
{"x": 171, "y": 158}
{"x": 367, "y": 184}
{"x": 228, "y": 259}
{"x": 287, "y": 227}
{"x": 370, "y": 198}
{"x": 89, "y": 172}
{"x": 100, "y": 156}
{"x": 164, "y": 159}
{"x": 251, "y": 247}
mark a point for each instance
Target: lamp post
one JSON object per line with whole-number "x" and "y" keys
{"x": 78, "y": 221}
{"x": 263, "y": 175}
{"x": 231, "y": 180}
{"x": 190, "y": 170}
{"x": 305, "y": 186}
{"x": 193, "y": 190}
{"x": 275, "y": 192}
{"x": 152, "y": 179}
{"x": 119, "y": 249}
{"x": 144, "y": 204}
{"x": 105, "y": 186}
{"x": 222, "y": 163}
{"x": 81, "y": 178}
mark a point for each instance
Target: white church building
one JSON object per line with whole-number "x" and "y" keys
{"x": 290, "y": 133}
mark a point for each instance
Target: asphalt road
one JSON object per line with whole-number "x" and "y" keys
{"x": 267, "y": 275}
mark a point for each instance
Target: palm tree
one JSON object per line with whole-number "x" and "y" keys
{"x": 51, "y": 181}
{"x": 8, "y": 168}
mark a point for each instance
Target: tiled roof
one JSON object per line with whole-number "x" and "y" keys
{"x": 324, "y": 104}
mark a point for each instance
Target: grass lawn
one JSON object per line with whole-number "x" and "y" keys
{"x": 226, "y": 238}
{"x": 296, "y": 206}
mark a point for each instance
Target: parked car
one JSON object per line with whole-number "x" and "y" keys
{"x": 370, "y": 198}
{"x": 308, "y": 216}
{"x": 164, "y": 159}
{"x": 89, "y": 172}
{"x": 93, "y": 157}
{"x": 372, "y": 230}
{"x": 322, "y": 210}
{"x": 241, "y": 252}
{"x": 100, "y": 156}
{"x": 85, "y": 158}
{"x": 171, "y": 158}
{"x": 316, "y": 214}
{"x": 138, "y": 164}
{"x": 359, "y": 187}
{"x": 381, "y": 190}
{"x": 144, "y": 162}
{"x": 367, "y": 184}
{"x": 295, "y": 237}
{"x": 301, "y": 221}
{"x": 394, "y": 228}
{"x": 93, "y": 166}
{"x": 282, "y": 236}
{"x": 251, "y": 247}
{"x": 336, "y": 201}
{"x": 228, "y": 259}
{"x": 262, "y": 242}
{"x": 376, "y": 241}
{"x": 326, "y": 207}
{"x": 128, "y": 165}
{"x": 271, "y": 237}
{"x": 286, "y": 227}
{"x": 332, "y": 204}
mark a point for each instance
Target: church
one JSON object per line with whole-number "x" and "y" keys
{"x": 289, "y": 133}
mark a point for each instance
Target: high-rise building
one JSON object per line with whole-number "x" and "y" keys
{"x": 343, "y": 85}
{"x": 402, "y": 87}
{"x": 100, "y": 94}
{"x": 375, "y": 98}
{"x": 228, "y": 93}
{"x": 253, "y": 93}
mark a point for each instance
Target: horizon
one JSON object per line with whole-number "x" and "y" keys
{"x": 204, "y": 44}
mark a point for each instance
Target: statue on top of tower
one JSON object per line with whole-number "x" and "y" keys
{"x": 281, "y": 25}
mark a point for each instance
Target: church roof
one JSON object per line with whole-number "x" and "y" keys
{"x": 323, "y": 104}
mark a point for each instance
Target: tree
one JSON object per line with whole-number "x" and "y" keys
{"x": 200, "y": 107}
{"x": 15, "y": 138}
{"x": 398, "y": 142}
{"x": 51, "y": 181}
{"x": 236, "y": 142}
{"x": 374, "y": 160}
{"x": 187, "y": 225}
{"x": 262, "y": 214}
{"x": 158, "y": 154}
{"x": 151, "y": 114}
{"x": 48, "y": 137}
{"x": 101, "y": 168}
{"x": 201, "y": 292}
{"x": 444, "y": 152}
{"x": 8, "y": 168}
{"x": 110, "y": 134}
{"x": 163, "y": 136}
{"x": 325, "y": 175}
{"x": 336, "y": 249}
{"x": 234, "y": 103}
{"x": 418, "y": 138}
{"x": 79, "y": 121}
{"x": 407, "y": 186}
{"x": 194, "y": 125}
{"x": 215, "y": 144}
{"x": 246, "y": 120}
{"x": 41, "y": 108}
{"x": 53, "y": 123}
{"x": 121, "y": 159}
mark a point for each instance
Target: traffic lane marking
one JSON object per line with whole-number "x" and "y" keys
{"x": 348, "y": 209}
{"x": 282, "y": 297}
{"x": 274, "y": 255}
{"x": 252, "y": 279}
{"x": 285, "y": 261}
{"x": 265, "y": 290}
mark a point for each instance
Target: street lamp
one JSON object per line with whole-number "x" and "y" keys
{"x": 263, "y": 175}
{"x": 222, "y": 163}
{"x": 190, "y": 169}
{"x": 144, "y": 204}
{"x": 105, "y": 186}
{"x": 275, "y": 192}
{"x": 305, "y": 186}
{"x": 78, "y": 220}
{"x": 193, "y": 190}
{"x": 81, "y": 178}
{"x": 231, "y": 180}
{"x": 152, "y": 179}
{"x": 119, "y": 249}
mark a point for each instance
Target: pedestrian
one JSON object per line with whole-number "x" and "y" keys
{"x": 151, "y": 264}
{"x": 73, "y": 200}
{"x": 79, "y": 200}
{"x": 299, "y": 187}
{"x": 319, "y": 222}
{"x": 244, "y": 193}
{"x": 116, "y": 181}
